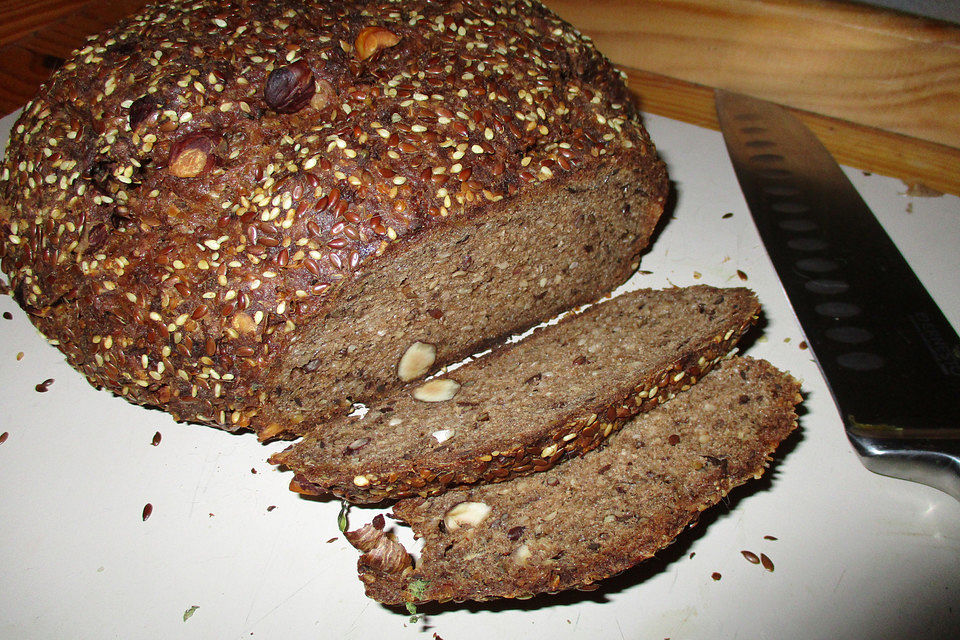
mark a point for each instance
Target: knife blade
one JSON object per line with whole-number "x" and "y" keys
{"x": 890, "y": 358}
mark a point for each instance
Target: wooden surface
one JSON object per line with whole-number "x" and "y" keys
{"x": 36, "y": 37}
{"x": 881, "y": 89}
{"x": 876, "y": 68}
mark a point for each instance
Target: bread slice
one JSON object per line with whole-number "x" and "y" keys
{"x": 594, "y": 516}
{"x": 529, "y": 405}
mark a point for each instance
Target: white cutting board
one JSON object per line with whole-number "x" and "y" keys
{"x": 856, "y": 555}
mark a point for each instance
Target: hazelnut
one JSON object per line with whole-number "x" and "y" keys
{"x": 439, "y": 390}
{"x": 416, "y": 361}
{"x": 442, "y": 435}
{"x": 380, "y": 551}
{"x": 521, "y": 554}
{"x": 143, "y": 108}
{"x": 243, "y": 323}
{"x": 465, "y": 514}
{"x": 191, "y": 155}
{"x": 370, "y": 40}
{"x": 270, "y": 431}
{"x": 323, "y": 95}
{"x": 289, "y": 89}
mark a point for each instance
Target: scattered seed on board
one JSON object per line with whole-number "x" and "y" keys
{"x": 750, "y": 556}
{"x": 4, "y": 436}
{"x": 44, "y": 386}
{"x": 727, "y": 215}
{"x": 766, "y": 562}
{"x": 19, "y": 356}
{"x": 7, "y": 315}
{"x": 741, "y": 274}
{"x": 156, "y": 439}
{"x": 715, "y": 575}
{"x": 147, "y": 510}
{"x": 769, "y": 537}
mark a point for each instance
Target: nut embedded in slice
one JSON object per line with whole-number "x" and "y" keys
{"x": 606, "y": 510}
{"x": 443, "y": 435}
{"x": 416, "y": 361}
{"x": 439, "y": 390}
{"x": 465, "y": 514}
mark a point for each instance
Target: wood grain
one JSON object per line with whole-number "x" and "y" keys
{"x": 35, "y": 38}
{"x": 22, "y": 17}
{"x": 871, "y": 67}
{"x": 916, "y": 162}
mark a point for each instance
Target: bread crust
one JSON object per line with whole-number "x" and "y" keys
{"x": 196, "y": 185}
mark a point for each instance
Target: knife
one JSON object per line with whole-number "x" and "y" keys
{"x": 890, "y": 358}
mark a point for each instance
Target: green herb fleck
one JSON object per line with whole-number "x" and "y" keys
{"x": 412, "y": 610}
{"x": 189, "y": 612}
{"x": 417, "y": 587}
{"x": 342, "y": 518}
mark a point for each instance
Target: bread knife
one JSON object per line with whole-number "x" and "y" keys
{"x": 890, "y": 358}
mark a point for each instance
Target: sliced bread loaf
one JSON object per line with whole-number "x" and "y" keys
{"x": 251, "y": 233}
{"x": 528, "y": 405}
{"x": 593, "y": 516}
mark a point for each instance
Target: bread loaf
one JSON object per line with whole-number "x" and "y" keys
{"x": 528, "y": 405}
{"x": 594, "y": 516}
{"x": 247, "y": 213}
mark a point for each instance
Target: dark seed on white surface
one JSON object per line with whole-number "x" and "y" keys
{"x": 750, "y": 556}
{"x": 766, "y": 562}
{"x": 44, "y": 386}
{"x": 147, "y": 510}
{"x": 156, "y": 439}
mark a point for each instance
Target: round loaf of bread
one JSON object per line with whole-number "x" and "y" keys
{"x": 253, "y": 214}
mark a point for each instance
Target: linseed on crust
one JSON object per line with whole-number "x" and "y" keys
{"x": 205, "y": 197}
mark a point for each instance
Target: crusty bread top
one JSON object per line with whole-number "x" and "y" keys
{"x": 196, "y": 182}
{"x": 530, "y": 404}
{"x": 595, "y": 516}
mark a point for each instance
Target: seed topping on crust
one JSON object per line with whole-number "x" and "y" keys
{"x": 221, "y": 171}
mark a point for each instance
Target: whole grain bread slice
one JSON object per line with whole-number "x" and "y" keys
{"x": 594, "y": 516}
{"x": 528, "y": 405}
